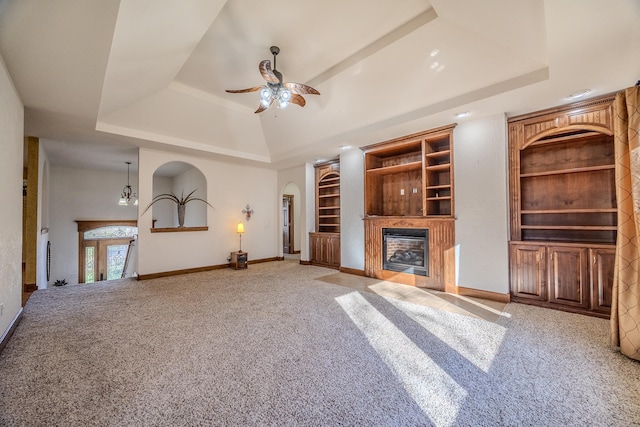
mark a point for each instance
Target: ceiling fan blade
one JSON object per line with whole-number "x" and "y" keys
{"x": 251, "y": 89}
{"x": 297, "y": 99}
{"x": 267, "y": 72}
{"x": 301, "y": 89}
{"x": 261, "y": 108}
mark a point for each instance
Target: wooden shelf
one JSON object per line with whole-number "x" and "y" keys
{"x": 324, "y": 196}
{"x": 439, "y": 187}
{"x": 177, "y": 229}
{"x": 437, "y": 154}
{"x": 566, "y": 211}
{"x": 436, "y": 168}
{"x": 328, "y": 207}
{"x": 387, "y": 170}
{"x": 570, "y": 227}
{"x": 568, "y": 171}
{"x": 321, "y": 186}
{"x": 331, "y": 179}
{"x": 439, "y": 198}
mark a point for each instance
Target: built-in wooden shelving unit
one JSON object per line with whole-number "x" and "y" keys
{"x": 409, "y": 184}
{"x": 563, "y": 206}
{"x": 325, "y": 242}
{"x": 411, "y": 176}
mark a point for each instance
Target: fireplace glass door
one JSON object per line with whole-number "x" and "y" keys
{"x": 406, "y": 250}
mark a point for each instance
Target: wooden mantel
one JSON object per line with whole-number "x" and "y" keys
{"x": 441, "y": 251}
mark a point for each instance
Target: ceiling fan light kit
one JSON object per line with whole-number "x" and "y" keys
{"x": 277, "y": 92}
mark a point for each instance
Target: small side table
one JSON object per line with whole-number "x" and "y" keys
{"x": 238, "y": 260}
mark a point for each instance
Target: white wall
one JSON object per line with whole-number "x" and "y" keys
{"x": 352, "y": 209}
{"x": 229, "y": 188}
{"x": 42, "y": 218}
{"x": 11, "y": 163}
{"x": 480, "y": 174}
{"x": 163, "y": 212}
{"x": 293, "y": 190}
{"x": 81, "y": 194}
{"x": 306, "y": 219}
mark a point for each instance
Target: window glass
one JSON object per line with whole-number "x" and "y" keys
{"x": 111, "y": 231}
{"x": 89, "y": 266}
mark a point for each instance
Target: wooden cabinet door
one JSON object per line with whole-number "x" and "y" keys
{"x": 325, "y": 249}
{"x": 528, "y": 272}
{"x": 568, "y": 276}
{"x": 334, "y": 245}
{"x": 314, "y": 243}
{"x": 601, "y": 262}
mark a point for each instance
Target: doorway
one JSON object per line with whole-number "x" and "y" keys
{"x": 287, "y": 226}
{"x": 104, "y": 249}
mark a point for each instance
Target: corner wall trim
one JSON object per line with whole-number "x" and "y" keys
{"x": 12, "y": 327}
{"x": 477, "y": 293}
{"x": 353, "y": 271}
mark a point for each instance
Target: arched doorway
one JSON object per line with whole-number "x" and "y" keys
{"x": 291, "y": 219}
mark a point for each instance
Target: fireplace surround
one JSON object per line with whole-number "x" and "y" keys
{"x": 440, "y": 265}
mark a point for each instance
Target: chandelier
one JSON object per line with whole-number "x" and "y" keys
{"x": 128, "y": 197}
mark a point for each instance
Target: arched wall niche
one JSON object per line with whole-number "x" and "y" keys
{"x": 179, "y": 178}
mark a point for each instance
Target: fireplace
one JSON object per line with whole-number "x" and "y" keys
{"x": 406, "y": 250}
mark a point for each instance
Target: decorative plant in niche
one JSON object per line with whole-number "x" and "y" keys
{"x": 181, "y": 203}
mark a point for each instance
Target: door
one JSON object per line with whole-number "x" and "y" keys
{"x": 104, "y": 259}
{"x": 104, "y": 246}
{"x": 568, "y": 282}
{"x": 287, "y": 226}
{"x": 528, "y": 271}
{"x": 602, "y": 262}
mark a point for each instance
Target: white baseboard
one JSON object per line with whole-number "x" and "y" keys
{"x": 12, "y": 326}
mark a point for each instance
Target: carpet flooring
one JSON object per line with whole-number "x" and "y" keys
{"x": 275, "y": 345}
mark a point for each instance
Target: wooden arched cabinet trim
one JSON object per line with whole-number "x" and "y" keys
{"x": 574, "y": 129}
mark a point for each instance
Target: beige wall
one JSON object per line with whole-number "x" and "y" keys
{"x": 11, "y": 161}
{"x": 482, "y": 217}
{"x": 230, "y": 187}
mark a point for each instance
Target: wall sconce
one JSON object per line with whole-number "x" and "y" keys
{"x": 247, "y": 211}
{"x": 240, "y": 231}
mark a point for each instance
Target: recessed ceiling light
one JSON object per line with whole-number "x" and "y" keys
{"x": 463, "y": 114}
{"x": 579, "y": 94}
{"x": 345, "y": 147}
{"x": 434, "y": 52}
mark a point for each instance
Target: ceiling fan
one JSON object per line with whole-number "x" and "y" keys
{"x": 276, "y": 91}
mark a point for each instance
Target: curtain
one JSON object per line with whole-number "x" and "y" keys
{"x": 625, "y": 308}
